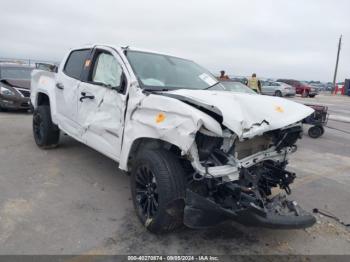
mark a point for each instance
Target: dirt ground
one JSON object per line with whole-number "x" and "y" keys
{"x": 73, "y": 200}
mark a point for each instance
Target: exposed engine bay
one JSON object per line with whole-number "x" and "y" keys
{"x": 234, "y": 179}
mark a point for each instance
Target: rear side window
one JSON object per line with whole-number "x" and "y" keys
{"x": 75, "y": 63}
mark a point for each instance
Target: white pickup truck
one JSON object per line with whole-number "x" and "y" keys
{"x": 198, "y": 154}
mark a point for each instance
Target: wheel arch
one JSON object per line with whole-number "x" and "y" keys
{"x": 143, "y": 143}
{"x": 278, "y": 92}
{"x": 42, "y": 99}
{"x": 176, "y": 130}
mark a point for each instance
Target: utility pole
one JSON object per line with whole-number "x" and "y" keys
{"x": 336, "y": 64}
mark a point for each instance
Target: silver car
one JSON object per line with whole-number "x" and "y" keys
{"x": 277, "y": 89}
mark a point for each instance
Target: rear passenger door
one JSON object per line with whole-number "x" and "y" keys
{"x": 67, "y": 91}
{"x": 101, "y": 103}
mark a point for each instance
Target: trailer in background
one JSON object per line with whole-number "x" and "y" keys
{"x": 318, "y": 120}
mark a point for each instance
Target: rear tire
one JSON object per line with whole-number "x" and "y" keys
{"x": 312, "y": 96}
{"x": 305, "y": 93}
{"x": 158, "y": 190}
{"x": 46, "y": 133}
{"x": 278, "y": 93}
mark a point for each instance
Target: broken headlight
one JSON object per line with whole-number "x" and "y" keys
{"x": 6, "y": 91}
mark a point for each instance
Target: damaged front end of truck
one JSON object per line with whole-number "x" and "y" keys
{"x": 236, "y": 176}
{"x": 234, "y": 179}
{"x": 234, "y": 148}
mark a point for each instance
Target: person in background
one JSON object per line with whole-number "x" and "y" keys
{"x": 223, "y": 76}
{"x": 254, "y": 83}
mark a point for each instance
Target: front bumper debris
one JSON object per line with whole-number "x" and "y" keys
{"x": 201, "y": 212}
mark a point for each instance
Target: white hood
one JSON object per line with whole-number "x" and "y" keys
{"x": 249, "y": 115}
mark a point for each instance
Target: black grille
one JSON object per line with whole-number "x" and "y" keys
{"x": 25, "y": 93}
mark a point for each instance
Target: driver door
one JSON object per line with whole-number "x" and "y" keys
{"x": 102, "y": 103}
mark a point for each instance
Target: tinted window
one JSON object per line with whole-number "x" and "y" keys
{"x": 75, "y": 63}
{"x": 107, "y": 71}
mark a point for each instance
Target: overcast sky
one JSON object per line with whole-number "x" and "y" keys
{"x": 274, "y": 38}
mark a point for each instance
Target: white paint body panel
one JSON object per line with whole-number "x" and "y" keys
{"x": 101, "y": 119}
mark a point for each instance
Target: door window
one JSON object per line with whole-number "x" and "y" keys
{"x": 75, "y": 63}
{"x": 107, "y": 71}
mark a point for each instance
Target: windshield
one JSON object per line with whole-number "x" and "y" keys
{"x": 15, "y": 73}
{"x": 162, "y": 72}
{"x": 237, "y": 87}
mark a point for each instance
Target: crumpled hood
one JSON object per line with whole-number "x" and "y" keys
{"x": 247, "y": 115}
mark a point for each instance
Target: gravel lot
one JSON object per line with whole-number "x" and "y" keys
{"x": 73, "y": 200}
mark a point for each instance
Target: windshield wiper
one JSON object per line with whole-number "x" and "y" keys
{"x": 156, "y": 90}
{"x": 211, "y": 86}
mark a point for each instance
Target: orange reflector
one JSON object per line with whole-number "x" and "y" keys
{"x": 160, "y": 118}
{"x": 279, "y": 109}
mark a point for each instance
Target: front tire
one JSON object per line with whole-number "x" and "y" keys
{"x": 158, "y": 190}
{"x": 46, "y": 133}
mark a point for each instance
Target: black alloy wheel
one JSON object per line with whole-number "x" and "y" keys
{"x": 158, "y": 187}
{"x": 146, "y": 192}
{"x": 46, "y": 133}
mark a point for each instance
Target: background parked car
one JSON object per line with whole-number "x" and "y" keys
{"x": 301, "y": 88}
{"x": 277, "y": 89}
{"x": 319, "y": 86}
{"x": 15, "y": 86}
{"x": 242, "y": 80}
{"x": 238, "y": 87}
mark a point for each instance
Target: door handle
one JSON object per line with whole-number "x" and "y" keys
{"x": 84, "y": 96}
{"x": 60, "y": 86}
